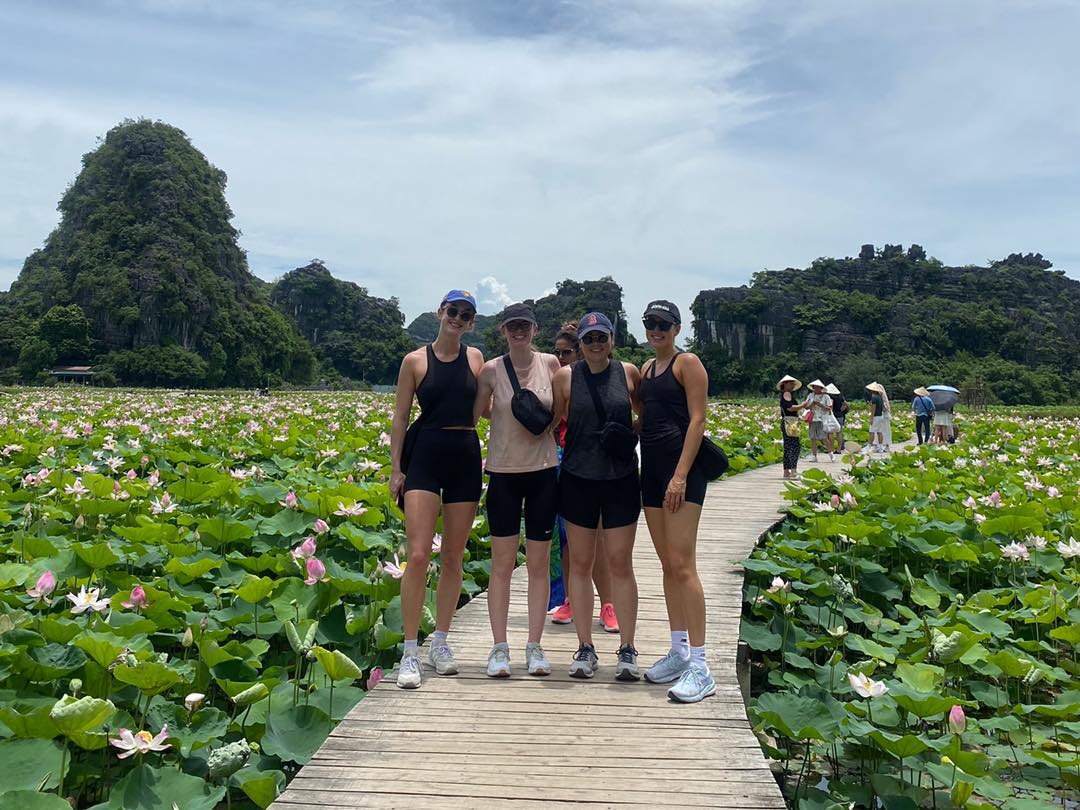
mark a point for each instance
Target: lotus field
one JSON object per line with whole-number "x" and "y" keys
{"x": 195, "y": 588}
{"x": 914, "y": 625}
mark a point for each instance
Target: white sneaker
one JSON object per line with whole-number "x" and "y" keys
{"x": 536, "y": 660}
{"x": 408, "y": 676}
{"x": 442, "y": 660}
{"x": 694, "y": 685}
{"x": 499, "y": 662}
{"x": 831, "y": 457}
{"x": 668, "y": 668}
{"x": 813, "y": 458}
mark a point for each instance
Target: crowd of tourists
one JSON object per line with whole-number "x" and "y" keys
{"x": 562, "y": 453}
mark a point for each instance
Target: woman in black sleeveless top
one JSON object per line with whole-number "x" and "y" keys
{"x": 597, "y": 489}
{"x": 790, "y": 409}
{"x": 674, "y": 389}
{"x": 445, "y": 462}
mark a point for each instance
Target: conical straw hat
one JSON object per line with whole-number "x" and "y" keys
{"x": 789, "y": 378}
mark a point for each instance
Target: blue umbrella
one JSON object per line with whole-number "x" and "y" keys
{"x": 943, "y": 396}
{"x": 943, "y": 388}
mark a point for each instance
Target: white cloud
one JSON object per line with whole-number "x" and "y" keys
{"x": 492, "y": 293}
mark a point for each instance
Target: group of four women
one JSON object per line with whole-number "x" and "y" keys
{"x": 584, "y": 404}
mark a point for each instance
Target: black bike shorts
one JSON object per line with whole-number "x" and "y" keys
{"x": 585, "y": 502}
{"x": 537, "y": 491}
{"x": 658, "y": 464}
{"x": 446, "y": 462}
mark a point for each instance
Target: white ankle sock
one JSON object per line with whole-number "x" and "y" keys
{"x": 697, "y": 658}
{"x": 438, "y": 638}
{"x": 680, "y": 643}
{"x": 410, "y": 646}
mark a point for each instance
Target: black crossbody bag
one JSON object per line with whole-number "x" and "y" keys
{"x": 617, "y": 439}
{"x": 526, "y": 406}
{"x": 711, "y": 459}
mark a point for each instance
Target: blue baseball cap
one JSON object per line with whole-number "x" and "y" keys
{"x": 594, "y": 322}
{"x": 459, "y": 295}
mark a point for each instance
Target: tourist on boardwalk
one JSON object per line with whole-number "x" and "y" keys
{"x": 790, "y": 428}
{"x": 674, "y": 388}
{"x": 522, "y": 473}
{"x": 824, "y": 424}
{"x": 944, "y": 425}
{"x": 840, "y": 408}
{"x": 880, "y": 419}
{"x": 439, "y": 456}
{"x": 598, "y": 483}
{"x": 923, "y": 408}
{"x": 568, "y": 350}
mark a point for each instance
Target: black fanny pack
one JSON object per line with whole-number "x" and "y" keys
{"x": 618, "y": 440}
{"x": 711, "y": 460}
{"x": 526, "y": 406}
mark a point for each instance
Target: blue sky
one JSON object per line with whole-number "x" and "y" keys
{"x": 504, "y": 145}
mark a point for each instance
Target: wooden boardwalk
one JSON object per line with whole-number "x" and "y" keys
{"x": 470, "y": 741}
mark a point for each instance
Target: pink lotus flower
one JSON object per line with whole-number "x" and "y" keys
{"x": 162, "y": 505}
{"x": 979, "y": 518}
{"x": 970, "y": 503}
{"x": 86, "y": 600}
{"x": 778, "y": 584}
{"x": 932, "y": 496}
{"x": 131, "y": 475}
{"x": 43, "y": 588}
{"x": 866, "y": 687}
{"x": 1053, "y": 492}
{"x": 290, "y": 501}
{"x": 957, "y": 720}
{"x": 305, "y": 550}
{"x": 436, "y": 544}
{"x": 1016, "y": 552}
{"x": 374, "y": 677}
{"x": 140, "y": 743}
{"x": 395, "y": 569}
{"x": 849, "y": 500}
{"x": 138, "y": 599}
{"x": 353, "y": 510}
{"x": 1070, "y": 549}
{"x": 995, "y": 498}
{"x": 321, "y": 526}
{"x": 834, "y": 501}
{"x": 316, "y": 571}
{"x": 77, "y": 489}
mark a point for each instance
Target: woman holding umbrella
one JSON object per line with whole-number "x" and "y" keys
{"x": 944, "y": 398}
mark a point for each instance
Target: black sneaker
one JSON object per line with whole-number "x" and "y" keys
{"x": 626, "y": 669}
{"x": 585, "y": 662}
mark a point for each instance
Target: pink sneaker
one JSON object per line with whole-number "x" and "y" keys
{"x": 563, "y": 614}
{"x": 607, "y": 618}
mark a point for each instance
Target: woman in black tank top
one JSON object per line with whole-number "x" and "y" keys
{"x": 443, "y": 470}
{"x": 597, "y": 488}
{"x": 674, "y": 388}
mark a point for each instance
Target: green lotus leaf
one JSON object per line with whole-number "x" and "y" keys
{"x": 223, "y": 530}
{"x": 796, "y": 717}
{"x": 384, "y": 637}
{"x": 30, "y": 718}
{"x": 149, "y": 533}
{"x": 262, "y": 787}
{"x": 900, "y": 747}
{"x": 294, "y": 733}
{"x": 337, "y": 665}
{"x": 13, "y": 575}
{"x": 77, "y": 715}
{"x": 920, "y": 677}
{"x": 149, "y": 788}
{"x": 759, "y": 636}
{"x": 43, "y": 664}
{"x": 59, "y": 629}
{"x": 31, "y": 800}
{"x": 253, "y": 694}
{"x": 869, "y": 647}
{"x": 254, "y": 589}
{"x": 189, "y": 568}
{"x": 1014, "y": 525}
{"x": 31, "y": 764}
{"x": 149, "y": 677}
{"x": 287, "y": 523}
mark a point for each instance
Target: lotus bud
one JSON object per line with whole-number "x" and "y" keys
{"x": 28, "y": 510}
{"x": 75, "y": 687}
{"x": 194, "y": 701}
{"x": 957, "y": 720}
{"x": 80, "y": 521}
{"x": 188, "y": 638}
{"x": 204, "y": 623}
{"x": 961, "y": 792}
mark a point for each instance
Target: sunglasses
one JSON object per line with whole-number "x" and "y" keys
{"x": 464, "y": 315}
{"x": 565, "y": 352}
{"x": 517, "y": 326}
{"x": 595, "y": 337}
{"x": 657, "y": 325}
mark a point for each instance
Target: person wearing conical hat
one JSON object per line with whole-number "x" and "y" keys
{"x": 790, "y": 428}
{"x": 823, "y": 424}
{"x": 923, "y": 407}
{"x": 840, "y": 408}
{"x": 880, "y": 419}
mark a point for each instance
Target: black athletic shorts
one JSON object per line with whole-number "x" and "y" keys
{"x": 447, "y": 462}
{"x": 658, "y": 464}
{"x": 507, "y": 492}
{"x": 585, "y": 502}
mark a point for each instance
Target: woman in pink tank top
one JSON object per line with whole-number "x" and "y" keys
{"x": 522, "y": 478}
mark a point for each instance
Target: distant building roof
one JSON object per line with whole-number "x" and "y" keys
{"x": 73, "y": 371}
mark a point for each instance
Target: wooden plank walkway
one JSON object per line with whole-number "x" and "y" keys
{"x": 472, "y": 742}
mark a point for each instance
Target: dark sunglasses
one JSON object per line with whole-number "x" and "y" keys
{"x": 595, "y": 337}
{"x": 517, "y": 326}
{"x": 565, "y": 352}
{"x": 657, "y": 325}
{"x": 464, "y": 315}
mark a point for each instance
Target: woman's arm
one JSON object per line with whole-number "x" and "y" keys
{"x": 406, "y": 389}
{"x": 633, "y": 385}
{"x": 695, "y": 381}
{"x": 485, "y": 388}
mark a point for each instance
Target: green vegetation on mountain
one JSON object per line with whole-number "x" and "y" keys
{"x": 144, "y": 277}
{"x": 1011, "y": 328}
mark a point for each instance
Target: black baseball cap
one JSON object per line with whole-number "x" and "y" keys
{"x": 664, "y": 310}
{"x": 517, "y": 312}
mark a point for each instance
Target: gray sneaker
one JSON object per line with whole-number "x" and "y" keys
{"x": 585, "y": 662}
{"x": 499, "y": 662}
{"x": 408, "y": 676}
{"x": 668, "y": 668}
{"x": 626, "y": 668}
{"x": 694, "y": 685}
{"x": 536, "y": 660}
{"x": 442, "y": 660}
